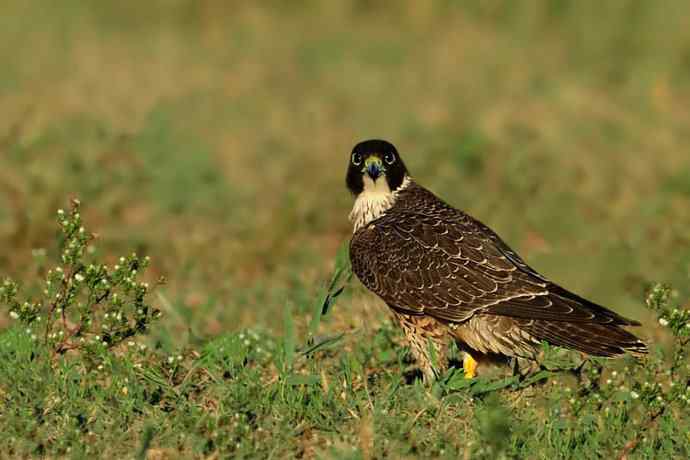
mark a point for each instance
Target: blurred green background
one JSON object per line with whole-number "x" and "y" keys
{"x": 214, "y": 136}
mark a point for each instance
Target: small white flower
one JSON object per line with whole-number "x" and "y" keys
{"x": 130, "y": 343}
{"x": 247, "y": 343}
{"x": 634, "y": 395}
{"x": 179, "y": 357}
{"x": 61, "y": 212}
{"x": 614, "y": 373}
{"x": 663, "y": 322}
{"x": 79, "y": 277}
{"x": 14, "y": 315}
{"x": 171, "y": 359}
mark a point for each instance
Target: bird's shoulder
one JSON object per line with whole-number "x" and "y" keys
{"x": 420, "y": 218}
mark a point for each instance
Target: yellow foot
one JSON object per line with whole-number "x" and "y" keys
{"x": 470, "y": 366}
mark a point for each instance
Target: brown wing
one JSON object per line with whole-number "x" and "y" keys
{"x": 425, "y": 257}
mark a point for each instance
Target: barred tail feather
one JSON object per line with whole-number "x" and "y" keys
{"x": 605, "y": 340}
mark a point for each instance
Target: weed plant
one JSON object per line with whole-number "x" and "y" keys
{"x": 77, "y": 379}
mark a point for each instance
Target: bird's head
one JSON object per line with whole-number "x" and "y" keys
{"x": 375, "y": 164}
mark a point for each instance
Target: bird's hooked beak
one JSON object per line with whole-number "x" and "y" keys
{"x": 373, "y": 167}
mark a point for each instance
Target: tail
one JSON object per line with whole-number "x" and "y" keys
{"x": 607, "y": 340}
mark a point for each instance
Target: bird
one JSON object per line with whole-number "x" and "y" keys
{"x": 447, "y": 276}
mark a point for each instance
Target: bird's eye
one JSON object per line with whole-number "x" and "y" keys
{"x": 389, "y": 158}
{"x": 356, "y": 159}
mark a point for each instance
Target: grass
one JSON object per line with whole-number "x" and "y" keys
{"x": 215, "y": 138}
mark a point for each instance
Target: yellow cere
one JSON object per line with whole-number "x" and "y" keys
{"x": 372, "y": 159}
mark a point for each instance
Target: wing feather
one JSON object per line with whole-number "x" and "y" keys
{"x": 425, "y": 257}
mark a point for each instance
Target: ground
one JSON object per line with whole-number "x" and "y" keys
{"x": 214, "y": 138}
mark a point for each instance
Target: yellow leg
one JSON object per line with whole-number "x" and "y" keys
{"x": 470, "y": 366}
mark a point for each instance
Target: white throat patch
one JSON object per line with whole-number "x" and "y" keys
{"x": 375, "y": 199}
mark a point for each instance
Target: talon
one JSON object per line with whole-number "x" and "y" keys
{"x": 469, "y": 364}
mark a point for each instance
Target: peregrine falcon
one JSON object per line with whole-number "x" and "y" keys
{"x": 446, "y": 275}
